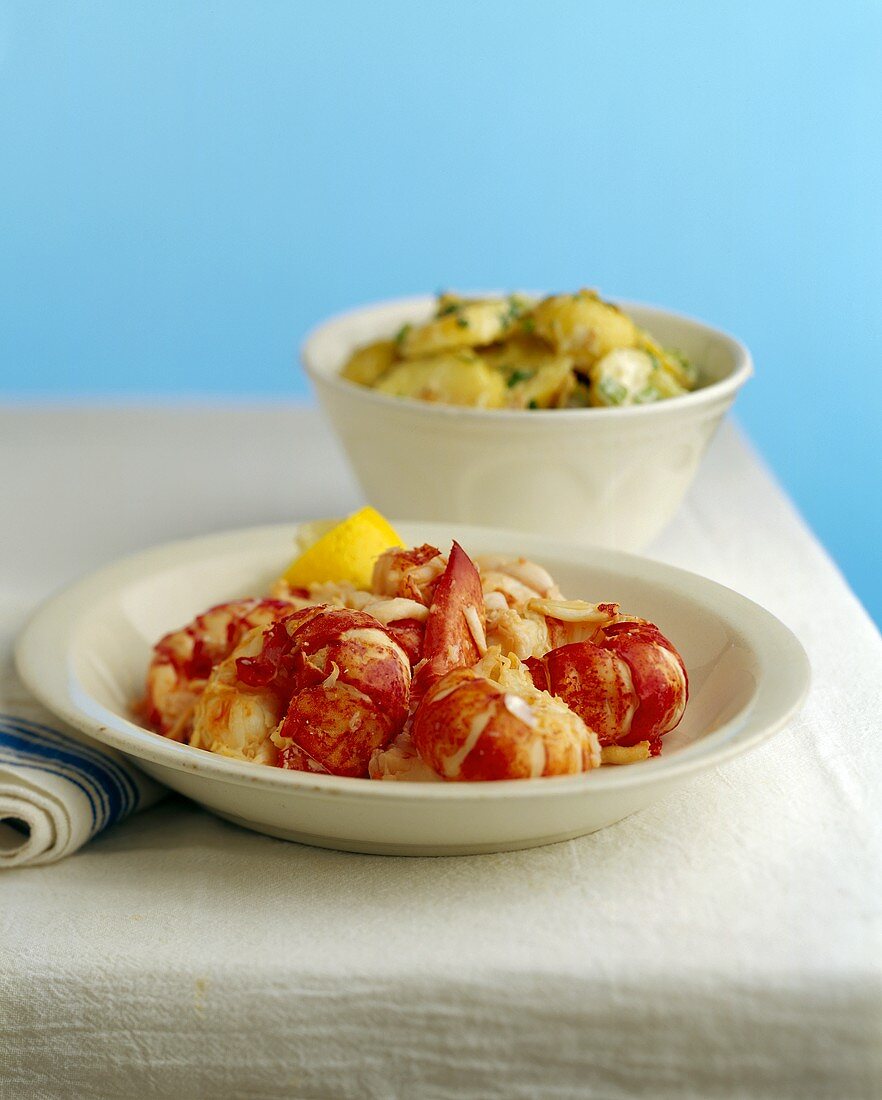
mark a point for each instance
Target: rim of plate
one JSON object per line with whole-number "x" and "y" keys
{"x": 705, "y": 395}
{"x": 45, "y": 651}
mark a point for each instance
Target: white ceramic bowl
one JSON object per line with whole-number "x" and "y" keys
{"x": 85, "y": 653}
{"x": 610, "y": 477}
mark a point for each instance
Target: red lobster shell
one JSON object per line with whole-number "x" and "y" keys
{"x": 469, "y": 728}
{"x": 411, "y": 575}
{"x": 345, "y": 682}
{"x": 456, "y": 617}
{"x": 183, "y": 659}
{"x": 630, "y": 687}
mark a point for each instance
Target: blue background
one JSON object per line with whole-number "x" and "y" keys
{"x": 186, "y": 188}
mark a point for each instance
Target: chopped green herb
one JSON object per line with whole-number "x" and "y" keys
{"x": 528, "y": 324}
{"x": 519, "y": 376}
{"x": 444, "y": 311}
{"x": 462, "y": 322}
{"x": 402, "y": 334}
{"x": 579, "y": 398}
{"x": 533, "y": 404}
{"x": 690, "y": 372}
{"x": 613, "y": 392}
{"x": 514, "y": 309}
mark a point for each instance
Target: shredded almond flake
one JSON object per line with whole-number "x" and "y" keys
{"x": 625, "y": 754}
{"x": 331, "y": 680}
{"x": 574, "y": 611}
{"x": 476, "y": 628}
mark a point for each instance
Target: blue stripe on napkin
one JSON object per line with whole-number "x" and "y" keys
{"x": 110, "y": 791}
{"x": 118, "y": 775}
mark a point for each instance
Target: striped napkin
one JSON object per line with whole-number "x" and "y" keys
{"x": 58, "y": 788}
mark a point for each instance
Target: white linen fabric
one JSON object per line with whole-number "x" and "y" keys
{"x": 58, "y": 788}
{"x": 725, "y": 942}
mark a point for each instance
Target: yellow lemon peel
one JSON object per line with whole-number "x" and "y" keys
{"x": 345, "y": 552}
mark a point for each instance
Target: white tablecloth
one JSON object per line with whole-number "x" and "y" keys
{"x": 727, "y": 942}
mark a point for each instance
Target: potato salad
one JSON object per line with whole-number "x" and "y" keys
{"x": 565, "y": 351}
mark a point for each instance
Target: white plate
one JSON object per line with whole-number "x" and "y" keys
{"x": 85, "y": 652}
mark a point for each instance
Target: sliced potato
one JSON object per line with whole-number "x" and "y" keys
{"x": 567, "y": 351}
{"x": 580, "y": 397}
{"x": 677, "y": 365}
{"x": 369, "y": 363}
{"x": 536, "y": 377}
{"x": 629, "y": 376}
{"x": 549, "y": 388}
{"x": 583, "y": 325}
{"x": 519, "y": 352}
{"x": 462, "y": 323}
{"x": 458, "y": 379}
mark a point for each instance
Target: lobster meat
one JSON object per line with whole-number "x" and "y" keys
{"x": 490, "y": 723}
{"x": 442, "y": 671}
{"x": 345, "y": 682}
{"x": 184, "y": 659}
{"x": 408, "y": 576}
{"x": 629, "y": 683}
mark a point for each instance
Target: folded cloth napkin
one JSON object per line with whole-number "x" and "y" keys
{"x": 58, "y": 788}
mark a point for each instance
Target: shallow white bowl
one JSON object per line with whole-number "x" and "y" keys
{"x": 85, "y": 653}
{"x": 609, "y": 477}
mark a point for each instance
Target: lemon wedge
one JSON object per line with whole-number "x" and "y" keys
{"x": 342, "y": 551}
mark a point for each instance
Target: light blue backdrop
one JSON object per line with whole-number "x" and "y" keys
{"x": 186, "y": 188}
